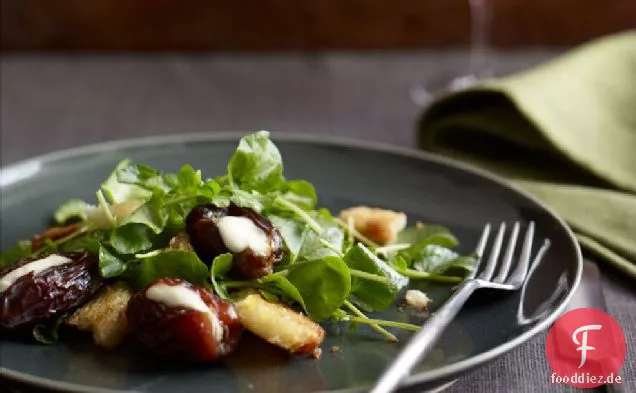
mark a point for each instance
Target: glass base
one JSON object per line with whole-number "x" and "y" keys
{"x": 422, "y": 95}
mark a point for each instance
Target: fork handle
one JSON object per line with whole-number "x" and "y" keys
{"x": 425, "y": 339}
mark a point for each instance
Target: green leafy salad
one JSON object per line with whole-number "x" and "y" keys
{"x": 327, "y": 267}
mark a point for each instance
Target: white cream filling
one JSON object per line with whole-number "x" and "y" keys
{"x": 34, "y": 267}
{"x": 239, "y": 233}
{"x": 180, "y": 296}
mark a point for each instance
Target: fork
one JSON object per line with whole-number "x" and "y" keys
{"x": 424, "y": 341}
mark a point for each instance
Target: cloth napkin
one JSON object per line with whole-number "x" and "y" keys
{"x": 564, "y": 131}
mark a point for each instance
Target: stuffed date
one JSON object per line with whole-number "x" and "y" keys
{"x": 35, "y": 289}
{"x": 183, "y": 321}
{"x": 255, "y": 243}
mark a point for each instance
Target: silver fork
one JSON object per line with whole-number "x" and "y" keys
{"x": 424, "y": 341}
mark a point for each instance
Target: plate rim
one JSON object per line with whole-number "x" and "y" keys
{"x": 8, "y": 178}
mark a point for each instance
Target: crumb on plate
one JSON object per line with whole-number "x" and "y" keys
{"x": 417, "y": 299}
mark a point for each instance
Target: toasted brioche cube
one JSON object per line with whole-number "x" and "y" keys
{"x": 278, "y": 324}
{"x": 380, "y": 225}
{"x": 104, "y": 315}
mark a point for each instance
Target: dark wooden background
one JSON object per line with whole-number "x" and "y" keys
{"x": 292, "y": 25}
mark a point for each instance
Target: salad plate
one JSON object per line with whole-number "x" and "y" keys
{"x": 428, "y": 191}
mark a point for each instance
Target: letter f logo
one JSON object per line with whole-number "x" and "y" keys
{"x": 583, "y": 344}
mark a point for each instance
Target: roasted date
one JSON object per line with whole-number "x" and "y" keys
{"x": 193, "y": 324}
{"x": 201, "y": 226}
{"x": 31, "y": 292}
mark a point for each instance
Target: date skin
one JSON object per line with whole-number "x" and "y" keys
{"x": 207, "y": 242}
{"x": 180, "y": 333}
{"x": 35, "y": 298}
{"x": 53, "y": 233}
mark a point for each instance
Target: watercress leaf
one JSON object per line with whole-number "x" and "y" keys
{"x": 439, "y": 260}
{"x": 375, "y": 295}
{"x": 281, "y": 283}
{"x": 292, "y": 231}
{"x": 189, "y": 178}
{"x": 313, "y": 248}
{"x": 324, "y": 284}
{"x": 222, "y": 199}
{"x": 72, "y": 209}
{"x": 221, "y": 265}
{"x": 339, "y": 315}
{"x": 150, "y": 214}
{"x": 175, "y": 214}
{"x": 143, "y": 176}
{"x": 133, "y": 173}
{"x": 15, "y": 254}
{"x": 89, "y": 242}
{"x": 247, "y": 199}
{"x": 420, "y": 232}
{"x": 324, "y": 217}
{"x": 301, "y": 193}
{"x": 209, "y": 189}
{"x": 400, "y": 262}
{"x": 156, "y": 185}
{"x": 433, "y": 259}
{"x": 325, "y": 214}
{"x": 131, "y": 238}
{"x": 118, "y": 192}
{"x": 171, "y": 180}
{"x": 49, "y": 246}
{"x": 221, "y": 180}
{"x": 462, "y": 266}
{"x": 109, "y": 264}
{"x": 267, "y": 295}
{"x": 444, "y": 240}
{"x": 256, "y": 164}
{"x": 173, "y": 263}
{"x": 47, "y": 332}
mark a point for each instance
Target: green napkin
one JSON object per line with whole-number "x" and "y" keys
{"x": 565, "y": 132}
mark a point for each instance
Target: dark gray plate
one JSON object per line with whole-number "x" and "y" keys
{"x": 345, "y": 173}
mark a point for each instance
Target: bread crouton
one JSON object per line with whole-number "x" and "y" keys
{"x": 278, "y": 324}
{"x": 104, "y": 315}
{"x": 379, "y": 225}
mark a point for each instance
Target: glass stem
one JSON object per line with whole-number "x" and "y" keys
{"x": 480, "y": 18}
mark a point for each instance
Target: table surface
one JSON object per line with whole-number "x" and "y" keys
{"x": 55, "y": 102}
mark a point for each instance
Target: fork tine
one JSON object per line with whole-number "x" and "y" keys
{"x": 507, "y": 261}
{"x": 481, "y": 246}
{"x": 494, "y": 254}
{"x": 520, "y": 272}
